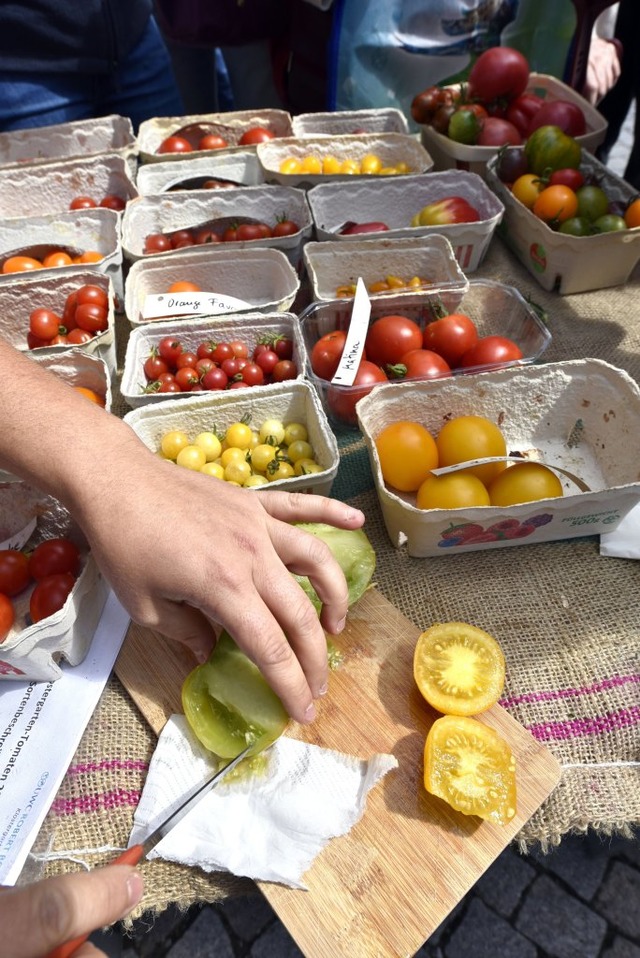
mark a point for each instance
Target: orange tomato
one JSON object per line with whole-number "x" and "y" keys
{"x": 453, "y": 490}
{"x": 472, "y": 437}
{"x": 90, "y": 395}
{"x": 632, "y": 214}
{"x": 90, "y": 256}
{"x": 556, "y": 204}
{"x": 407, "y": 454}
{"x": 184, "y": 286}
{"x": 57, "y": 258}
{"x": 20, "y": 264}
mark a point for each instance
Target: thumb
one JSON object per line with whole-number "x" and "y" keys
{"x": 36, "y": 918}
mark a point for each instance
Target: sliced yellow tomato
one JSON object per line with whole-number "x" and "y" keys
{"x": 471, "y": 767}
{"x": 458, "y": 668}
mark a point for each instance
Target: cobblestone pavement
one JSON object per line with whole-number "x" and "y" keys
{"x": 582, "y": 900}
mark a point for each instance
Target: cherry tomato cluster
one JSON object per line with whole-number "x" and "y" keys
{"x": 172, "y": 368}
{"x": 236, "y": 233}
{"x": 408, "y": 454}
{"x": 390, "y": 282}
{"x": 327, "y": 164}
{"x": 396, "y": 347}
{"x": 108, "y": 202}
{"x": 177, "y": 143}
{"x": 85, "y": 313}
{"x": 245, "y": 456}
{"x": 25, "y": 264}
{"x": 494, "y": 107}
{"x": 53, "y": 565}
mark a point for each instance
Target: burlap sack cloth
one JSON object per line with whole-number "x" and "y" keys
{"x": 568, "y": 619}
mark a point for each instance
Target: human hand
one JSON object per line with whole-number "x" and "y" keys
{"x": 38, "y": 917}
{"x": 183, "y": 551}
{"x": 603, "y": 69}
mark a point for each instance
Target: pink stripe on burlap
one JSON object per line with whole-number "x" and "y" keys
{"x": 602, "y": 686}
{"x": 111, "y": 764}
{"x": 119, "y": 798}
{"x": 576, "y": 728}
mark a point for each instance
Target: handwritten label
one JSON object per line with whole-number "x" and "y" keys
{"x": 160, "y": 305}
{"x": 356, "y": 335}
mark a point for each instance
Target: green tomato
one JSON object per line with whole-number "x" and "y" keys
{"x": 576, "y": 226}
{"x": 229, "y": 705}
{"x": 609, "y": 223}
{"x": 464, "y": 127}
{"x": 549, "y": 148}
{"x": 354, "y": 553}
{"x": 593, "y": 202}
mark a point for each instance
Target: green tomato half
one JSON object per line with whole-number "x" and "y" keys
{"x": 355, "y": 555}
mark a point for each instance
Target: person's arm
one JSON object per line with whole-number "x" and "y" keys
{"x": 182, "y": 550}
{"x": 604, "y": 64}
{"x": 37, "y": 918}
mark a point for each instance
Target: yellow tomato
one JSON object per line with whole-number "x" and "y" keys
{"x": 294, "y": 431}
{"x": 370, "y": 163}
{"x": 330, "y": 165}
{"x": 387, "y": 171}
{"x": 524, "y": 482}
{"x": 213, "y": 469}
{"x": 407, "y": 454}
{"x": 527, "y": 189}
{"x": 458, "y": 668}
{"x": 255, "y": 480}
{"x": 299, "y": 449}
{"x": 238, "y": 434}
{"x": 172, "y": 442}
{"x": 305, "y": 467}
{"x": 350, "y": 167}
{"x": 272, "y": 431}
{"x": 279, "y": 469}
{"x": 210, "y": 444}
{"x": 403, "y": 167}
{"x": 471, "y": 767}
{"x": 238, "y": 470}
{"x": 290, "y": 165}
{"x": 454, "y": 490}
{"x": 262, "y": 455}
{"x": 311, "y": 164}
{"x": 232, "y": 454}
{"x": 191, "y": 457}
{"x": 472, "y": 437}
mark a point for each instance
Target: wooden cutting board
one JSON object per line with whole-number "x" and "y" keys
{"x": 384, "y": 888}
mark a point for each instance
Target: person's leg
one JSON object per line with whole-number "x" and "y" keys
{"x": 30, "y": 100}
{"x": 250, "y": 69}
{"x": 144, "y": 86}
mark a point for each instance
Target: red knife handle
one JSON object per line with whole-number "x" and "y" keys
{"x": 129, "y": 857}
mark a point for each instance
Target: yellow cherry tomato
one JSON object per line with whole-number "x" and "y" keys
{"x": 350, "y": 168}
{"x": 527, "y": 189}
{"x": 191, "y": 457}
{"x": 330, "y": 165}
{"x": 311, "y": 164}
{"x": 272, "y": 431}
{"x": 213, "y": 469}
{"x": 172, "y": 442}
{"x": 238, "y": 470}
{"x": 305, "y": 467}
{"x": 299, "y": 449}
{"x": 294, "y": 431}
{"x": 279, "y": 469}
{"x": 255, "y": 480}
{"x": 290, "y": 165}
{"x": 210, "y": 444}
{"x": 239, "y": 435}
{"x": 262, "y": 455}
{"x": 233, "y": 454}
{"x": 370, "y": 163}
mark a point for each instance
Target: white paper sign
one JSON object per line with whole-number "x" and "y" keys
{"x": 159, "y": 305}
{"x": 356, "y": 335}
{"x": 41, "y": 724}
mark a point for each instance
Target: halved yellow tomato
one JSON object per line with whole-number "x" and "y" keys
{"x": 471, "y": 767}
{"x": 458, "y": 668}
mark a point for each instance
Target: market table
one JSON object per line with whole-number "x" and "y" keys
{"x": 568, "y": 620}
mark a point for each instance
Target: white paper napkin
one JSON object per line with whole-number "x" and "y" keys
{"x": 268, "y": 827}
{"x": 623, "y": 542}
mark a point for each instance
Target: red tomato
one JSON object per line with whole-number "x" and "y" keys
{"x": 212, "y": 142}
{"x": 181, "y": 238}
{"x": 497, "y": 132}
{"x": 255, "y": 134}
{"x": 249, "y": 231}
{"x": 450, "y": 337}
{"x": 563, "y": 113}
{"x": 283, "y": 347}
{"x": 157, "y": 243}
{"x": 521, "y": 111}
{"x": 52, "y": 557}
{"x": 91, "y": 294}
{"x": 216, "y": 378}
{"x": 240, "y": 349}
{"x": 187, "y": 358}
{"x": 569, "y": 177}
{"x": 267, "y": 360}
{"x": 33, "y": 342}
{"x": 422, "y": 364}
{"x": 352, "y": 229}
{"x": 112, "y": 202}
{"x": 221, "y": 351}
{"x": 326, "y": 353}
{"x": 342, "y": 399}
{"x": 390, "y": 337}
{"x": 44, "y": 324}
{"x": 187, "y": 377}
{"x": 154, "y": 366}
{"x": 79, "y": 336}
{"x": 50, "y": 595}
{"x": 285, "y": 228}
{"x": 7, "y": 616}
{"x": 175, "y": 144}
{"x": 491, "y": 351}
{"x": 14, "y": 571}
{"x": 251, "y": 375}
{"x": 283, "y": 370}
{"x": 498, "y": 72}
{"x": 169, "y": 348}
{"x": 92, "y": 317}
{"x": 230, "y": 235}
{"x": 82, "y": 203}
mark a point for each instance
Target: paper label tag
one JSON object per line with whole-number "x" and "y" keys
{"x": 158, "y": 305}
{"x": 356, "y": 335}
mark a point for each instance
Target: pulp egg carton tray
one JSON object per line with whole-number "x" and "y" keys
{"x": 52, "y": 186}
{"x": 263, "y": 279}
{"x": 76, "y": 139}
{"x": 391, "y": 148}
{"x": 24, "y": 292}
{"x": 350, "y": 122}
{"x": 330, "y": 265}
{"x": 496, "y": 309}
{"x": 242, "y": 167}
{"x": 570, "y": 264}
{"x": 96, "y": 229}
{"x": 396, "y": 200}
{"x": 34, "y": 650}
{"x": 294, "y": 401}
{"x": 249, "y": 328}
{"x": 173, "y": 211}
{"x": 230, "y": 125}
{"x": 581, "y": 416}
{"x": 448, "y": 154}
